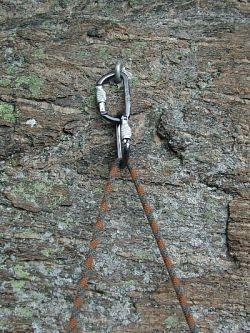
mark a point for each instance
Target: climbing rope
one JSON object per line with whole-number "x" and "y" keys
{"x": 123, "y": 148}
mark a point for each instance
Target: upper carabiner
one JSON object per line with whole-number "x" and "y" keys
{"x": 123, "y": 130}
{"x": 101, "y": 95}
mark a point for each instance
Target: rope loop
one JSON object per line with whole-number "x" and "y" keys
{"x": 73, "y": 326}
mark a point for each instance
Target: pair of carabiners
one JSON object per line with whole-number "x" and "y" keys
{"x": 123, "y": 130}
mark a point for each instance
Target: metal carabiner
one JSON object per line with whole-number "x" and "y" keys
{"x": 123, "y": 131}
{"x": 101, "y": 95}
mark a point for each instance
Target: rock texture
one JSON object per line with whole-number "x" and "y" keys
{"x": 188, "y": 66}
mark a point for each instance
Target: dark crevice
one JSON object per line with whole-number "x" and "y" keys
{"x": 230, "y": 256}
{"x": 58, "y": 101}
{"x": 229, "y": 191}
{"x": 99, "y": 291}
{"x": 175, "y": 152}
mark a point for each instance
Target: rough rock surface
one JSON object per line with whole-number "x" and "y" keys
{"x": 187, "y": 61}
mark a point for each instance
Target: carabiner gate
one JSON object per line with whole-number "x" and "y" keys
{"x": 123, "y": 131}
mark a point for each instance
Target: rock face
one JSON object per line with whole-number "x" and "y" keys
{"x": 187, "y": 61}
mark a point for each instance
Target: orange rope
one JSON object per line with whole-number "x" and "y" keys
{"x": 88, "y": 271}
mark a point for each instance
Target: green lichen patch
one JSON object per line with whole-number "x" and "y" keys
{"x": 130, "y": 285}
{"x": 142, "y": 255}
{"x": 39, "y": 54}
{"x": 103, "y": 53}
{"x": 89, "y": 102}
{"x": 17, "y": 284}
{"x": 209, "y": 215}
{"x": 3, "y": 324}
{"x": 27, "y": 233}
{"x": 7, "y": 113}
{"x": 171, "y": 321}
{"x": 5, "y": 82}
{"x": 48, "y": 252}
{"x": 20, "y": 272}
{"x": 133, "y": 3}
{"x": 31, "y": 82}
{"x": 83, "y": 53}
{"x": 11, "y": 69}
{"x": 23, "y": 311}
{"x": 37, "y": 195}
{"x": 135, "y": 81}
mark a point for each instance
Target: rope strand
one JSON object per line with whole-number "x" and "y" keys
{"x": 88, "y": 271}
{"x": 149, "y": 212}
